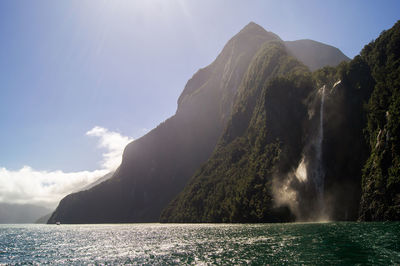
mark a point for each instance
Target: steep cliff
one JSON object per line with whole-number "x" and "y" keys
{"x": 263, "y": 139}
{"x": 381, "y": 175}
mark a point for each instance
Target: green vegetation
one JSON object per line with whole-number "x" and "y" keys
{"x": 381, "y": 174}
{"x": 264, "y": 138}
{"x": 269, "y": 129}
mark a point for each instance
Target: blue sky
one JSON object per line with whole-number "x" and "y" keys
{"x": 69, "y": 66}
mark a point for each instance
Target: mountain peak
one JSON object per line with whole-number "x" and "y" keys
{"x": 252, "y": 24}
{"x": 253, "y": 27}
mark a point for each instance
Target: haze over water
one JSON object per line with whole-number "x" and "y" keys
{"x": 297, "y": 243}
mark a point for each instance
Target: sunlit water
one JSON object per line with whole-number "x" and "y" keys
{"x": 308, "y": 243}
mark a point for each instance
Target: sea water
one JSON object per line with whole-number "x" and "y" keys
{"x": 292, "y": 243}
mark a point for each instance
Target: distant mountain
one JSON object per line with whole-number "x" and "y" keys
{"x": 43, "y": 219}
{"x": 156, "y": 167}
{"x": 21, "y": 213}
{"x": 316, "y": 55}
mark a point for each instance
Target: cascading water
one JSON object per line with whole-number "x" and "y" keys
{"x": 319, "y": 176}
{"x": 313, "y": 175}
{"x": 303, "y": 189}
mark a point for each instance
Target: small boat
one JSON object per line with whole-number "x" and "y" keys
{"x": 58, "y": 223}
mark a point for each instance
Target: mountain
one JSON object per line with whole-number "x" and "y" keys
{"x": 273, "y": 162}
{"x": 43, "y": 219}
{"x": 235, "y": 185}
{"x": 314, "y": 54}
{"x": 305, "y": 146}
{"x": 156, "y": 167}
{"x": 21, "y": 213}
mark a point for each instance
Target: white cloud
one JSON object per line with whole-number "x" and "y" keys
{"x": 45, "y": 188}
{"x": 113, "y": 142}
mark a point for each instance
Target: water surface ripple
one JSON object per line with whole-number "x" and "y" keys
{"x": 296, "y": 243}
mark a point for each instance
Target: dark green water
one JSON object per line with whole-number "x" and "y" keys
{"x": 307, "y": 243}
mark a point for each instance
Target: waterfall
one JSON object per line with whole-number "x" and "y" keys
{"x": 303, "y": 188}
{"x": 319, "y": 172}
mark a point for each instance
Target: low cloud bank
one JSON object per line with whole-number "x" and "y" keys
{"x": 47, "y": 188}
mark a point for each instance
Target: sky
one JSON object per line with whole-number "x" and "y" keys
{"x": 79, "y": 79}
